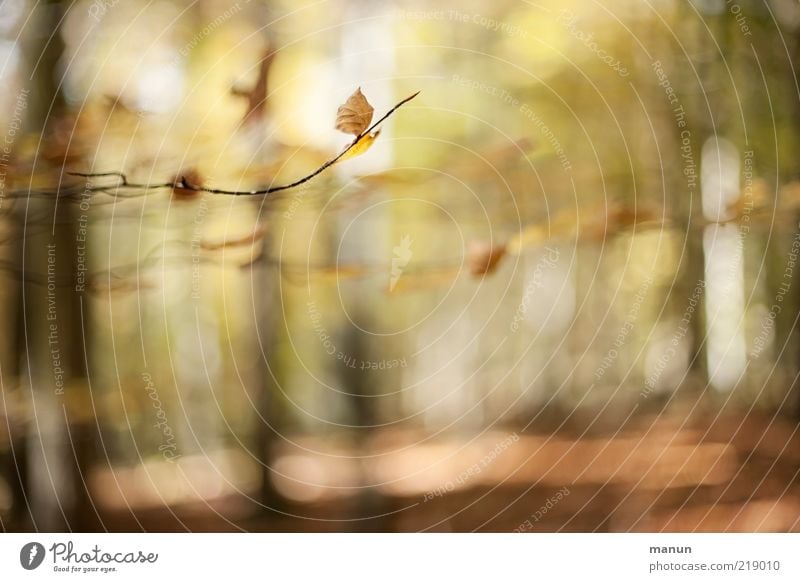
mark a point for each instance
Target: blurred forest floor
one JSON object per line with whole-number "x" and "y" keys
{"x": 736, "y": 474}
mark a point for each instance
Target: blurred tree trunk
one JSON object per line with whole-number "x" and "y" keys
{"x": 268, "y": 312}
{"x": 371, "y": 508}
{"x": 689, "y": 207}
{"x": 793, "y": 404}
{"x": 58, "y": 444}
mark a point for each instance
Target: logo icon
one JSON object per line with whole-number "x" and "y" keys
{"x": 402, "y": 255}
{"x": 31, "y": 555}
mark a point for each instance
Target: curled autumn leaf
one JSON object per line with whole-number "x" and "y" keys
{"x": 355, "y": 115}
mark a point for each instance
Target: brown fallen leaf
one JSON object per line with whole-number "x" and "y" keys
{"x": 355, "y": 115}
{"x": 106, "y": 286}
{"x": 256, "y": 96}
{"x": 188, "y": 177}
{"x": 416, "y": 282}
{"x": 302, "y": 274}
{"x": 483, "y": 257}
{"x": 245, "y": 240}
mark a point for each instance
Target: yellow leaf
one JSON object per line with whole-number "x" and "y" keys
{"x": 363, "y": 145}
{"x": 355, "y": 115}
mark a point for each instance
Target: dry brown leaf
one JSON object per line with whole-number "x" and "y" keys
{"x": 191, "y": 177}
{"x": 248, "y": 239}
{"x": 483, "y": 257}
{"x": 355, "y": 115}
{"x": 257, "y": 96}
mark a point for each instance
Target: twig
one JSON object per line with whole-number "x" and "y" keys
{"x": 182, "y": 183}
{"x": 123, "y": 181}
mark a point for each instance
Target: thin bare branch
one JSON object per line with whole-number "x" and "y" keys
{"x": 182, "y": 183}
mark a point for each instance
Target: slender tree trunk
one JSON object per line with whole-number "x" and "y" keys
{"x": 59, "y": 439}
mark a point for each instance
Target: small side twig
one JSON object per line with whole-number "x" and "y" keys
{"x": 123, "y": 181}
